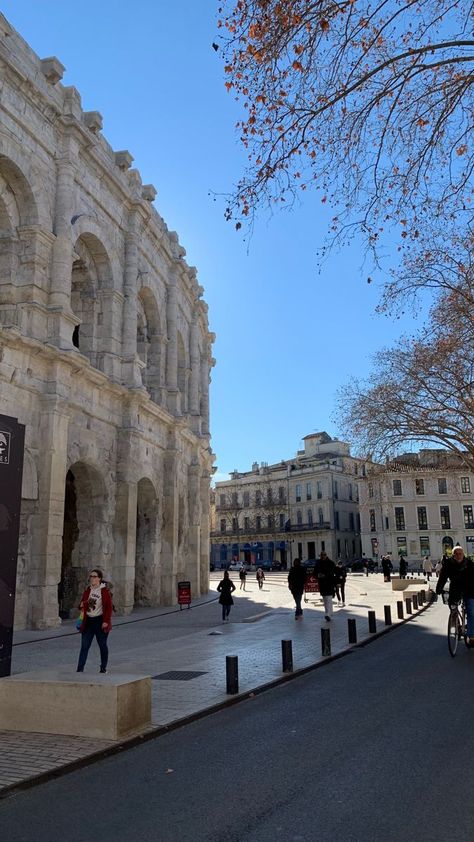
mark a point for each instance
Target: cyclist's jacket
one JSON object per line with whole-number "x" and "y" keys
{"x": 461, "y": 578}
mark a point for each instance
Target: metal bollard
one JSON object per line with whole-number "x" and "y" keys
{"x": 415, "y": 601}
{"x": 422, "y": 597}
{"x": 232, "y": 674}
{"x": 325, "y": 643}
{"x": 400, "y": 609}
{"x": 408, "y": 605}
{"x": 351, "y": 628}
{"x": 287, "y": 655}
{"x": 388, "y": 615}
{"x": 372, "y": 623}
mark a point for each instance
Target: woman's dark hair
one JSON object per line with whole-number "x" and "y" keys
{"x": 226, "y": 574}
{"x": 98, "y": 571}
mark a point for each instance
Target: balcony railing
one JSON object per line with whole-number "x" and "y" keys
{"x": 265, "y": 530}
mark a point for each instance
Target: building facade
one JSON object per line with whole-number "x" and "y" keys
{"x": 297, "y": 507}
{"x": 105, "y": 356}
{"x": 420, "y": 504}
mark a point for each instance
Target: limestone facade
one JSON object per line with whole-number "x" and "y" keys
{"x": 105, "y": 356}
{"x": 297, "y": 507}
{"x": 417, "y": 505}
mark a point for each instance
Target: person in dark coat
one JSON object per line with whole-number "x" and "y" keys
{"x": 296, "y": 580}
{"x": 340, "y": 582}
{"x": 460, "y": 571}
{"x": 403, "y": 567}
{"x": 387, "y": 567}
{"x": 225, "y": 588}
{"x": 325, "y": 572}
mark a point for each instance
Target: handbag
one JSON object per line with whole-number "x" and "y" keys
{"x": 80, "y": 620}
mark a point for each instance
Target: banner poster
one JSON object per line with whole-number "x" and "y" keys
{"x": 12, "y": 438}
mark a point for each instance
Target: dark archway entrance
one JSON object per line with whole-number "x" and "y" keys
{"x": 147, "y": 585}
{"x": 83, "y": 546}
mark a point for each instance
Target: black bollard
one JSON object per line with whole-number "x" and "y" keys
{"x": 422, "y": 597}
{"x": 408, "y": 605}
{"x": 325, "y": 643}
{"x": 400, "y": 609}
{"x": 388, "y": 615}
{"x": 287, "y": 655}
{"x": 232, "y": 674}
{"x": 372, "y": 623}
{"x": 415, "y": 601}
{"x": 351, "y": 628}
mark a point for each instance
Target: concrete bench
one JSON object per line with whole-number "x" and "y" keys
{"x": 109, "y": 707}
{"x": 401, "y": 584}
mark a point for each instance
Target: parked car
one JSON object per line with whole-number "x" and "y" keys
{"x": 359, "y": 564}
{"x": 235, "y": 565}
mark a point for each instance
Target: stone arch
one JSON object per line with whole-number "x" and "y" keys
{"x": 85, "y": 533}
{"x": 149, "y": 342}
{"x": 147, "y": 573}
{"x": 17, "y": 211}
{"x": 91, "y": 277}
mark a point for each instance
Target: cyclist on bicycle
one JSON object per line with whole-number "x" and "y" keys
{"x": 460, "y": 572}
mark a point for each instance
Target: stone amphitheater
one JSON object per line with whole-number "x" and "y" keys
{"x": 105, "y": 357}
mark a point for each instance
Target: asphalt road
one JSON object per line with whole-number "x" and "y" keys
{"x": 374, "y": 746}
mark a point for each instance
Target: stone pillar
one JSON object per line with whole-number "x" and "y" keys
{"x": 131, "y": 368}
{"x": 125, "y": 534}
{"x": 195, "y": 372}
{"x": 61, "y": 320}
{"x": 194, "y": 528}
{"x": 48, "y": 524}
{"x": 169, "y": 538}
{"x": 172, "y": 344}
{"x": 205, "y": 548}
{"x": 205, "y": 379}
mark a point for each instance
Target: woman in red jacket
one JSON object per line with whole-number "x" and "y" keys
{"x": 96, "y": 605}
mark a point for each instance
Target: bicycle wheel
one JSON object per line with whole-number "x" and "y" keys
{"x": 464, "y": 627}
{"x": 454, "y": 632}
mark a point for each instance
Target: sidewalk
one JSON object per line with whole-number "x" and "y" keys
{"x": 185, "y": 653}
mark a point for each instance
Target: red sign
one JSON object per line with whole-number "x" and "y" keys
{"x": 311, "y": 585}
{"x": 184, "y": 593}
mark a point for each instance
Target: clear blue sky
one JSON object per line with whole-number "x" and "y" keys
{"x": 287, "y": 337}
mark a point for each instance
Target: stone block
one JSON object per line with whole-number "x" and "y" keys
{"x": 110, "y": 707}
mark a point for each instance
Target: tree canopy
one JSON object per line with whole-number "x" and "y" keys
{"x": 370, "y": 101}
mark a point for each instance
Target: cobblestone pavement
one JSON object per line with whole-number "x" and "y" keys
{"x": 160, "y": 641}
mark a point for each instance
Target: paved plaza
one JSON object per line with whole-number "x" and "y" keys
{"x": 185, "y": 653}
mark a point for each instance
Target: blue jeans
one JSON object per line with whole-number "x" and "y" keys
{"x": 469, "y": 602}
{"x": 93, "y": 629}
{"x": 225, "y": 611}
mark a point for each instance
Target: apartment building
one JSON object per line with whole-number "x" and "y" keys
{"x": 419, "y": 504}
{"x": 296, "y": 507}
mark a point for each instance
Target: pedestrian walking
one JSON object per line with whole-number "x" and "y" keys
{"x": 387, "y": 567}
{"x": 260, "y": 576}
{"x": 427, "y": 567}
{"x": 226, "y": 588}
{"x": 95, "y": 619}
{"x": 325, "y": 572}
{"x": 296, "y": 580}
{"x": 438, "y": 567}
{"x": 403, "y": 567}
{"x": 340, "y": 583}
{"x": 242, "y": 576}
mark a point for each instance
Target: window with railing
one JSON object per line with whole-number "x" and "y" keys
{"x": 309, "y": 491}
{"x": 310, "y": 517}
{"x": 445, "y": 517}
{"x": 399, "y": 518}
{"x": 468, "y": 517}
{"x": 320, "y": 516}
{"x": 422, "y": 517}
{"x": 372, "y": 519}
{"x": 298, "y": 493}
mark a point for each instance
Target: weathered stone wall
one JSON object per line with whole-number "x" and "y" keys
{"x": 105, "y": 356}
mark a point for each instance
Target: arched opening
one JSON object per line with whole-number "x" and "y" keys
{"x": 91, "y": 275}
{"x": 147, "y": 583}
{"x": 182, "y": 372}
{"x": 84, "y": 534}
{"x": 149, "y": 342}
